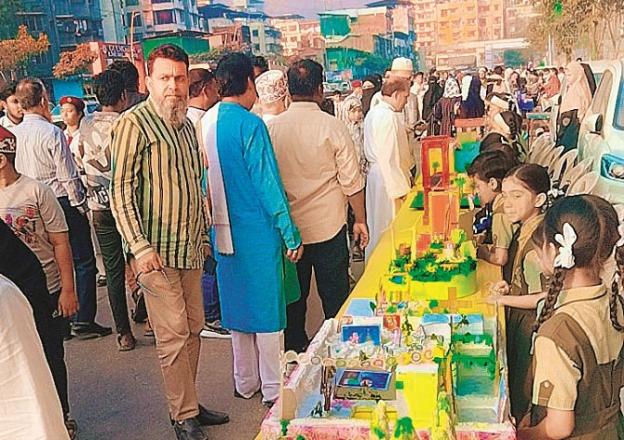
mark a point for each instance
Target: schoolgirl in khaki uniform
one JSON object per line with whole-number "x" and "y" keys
{"x": 525, "y": 190}
{"x": 578, "y": 350}
{"x": 487, "y": 171}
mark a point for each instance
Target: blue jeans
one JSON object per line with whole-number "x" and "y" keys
{"x": 84, "y": 261}
{"x": 212, "y": 306}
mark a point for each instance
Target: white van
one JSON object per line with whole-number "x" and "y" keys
{"x": 601, "y": 134}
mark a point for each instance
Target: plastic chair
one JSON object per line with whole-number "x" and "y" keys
{"x": 562, "y": 164}
{"x": 538, "y": 145}
{"x": 585, "y": 185}
{"x": 543, "y": 157}
{"x": 556, "y": 155}
{"x": 573, "y": 174}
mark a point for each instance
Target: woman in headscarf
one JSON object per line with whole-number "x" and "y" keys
{"x": 472, "y": 105}
{"x": 551, "y": 88}
{"x": 505, "y": 127}
{"x": 447, "y": 107}
{"x": 574, "y": 105}
{"x": 355, "y": 124}
{"x": 432, "y": 96}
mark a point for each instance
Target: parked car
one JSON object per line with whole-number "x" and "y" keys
{"x": 601, "y": 134}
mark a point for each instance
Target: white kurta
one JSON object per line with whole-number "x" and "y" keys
{"x": 384, "y": 141}
{"x": 29, "y": 405}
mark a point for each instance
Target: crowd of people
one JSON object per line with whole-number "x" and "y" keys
{"x": 214, "y": 198}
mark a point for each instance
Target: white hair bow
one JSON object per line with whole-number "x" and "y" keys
{"x": 565, "y": 258}
{"x": 620, "y": 243}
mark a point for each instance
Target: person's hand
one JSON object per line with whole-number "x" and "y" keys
{"x": 479, "y": 239}
{"x": 294, "y": 255}
{"x": 149, "y": 262}
{"x": 493, "y": 299}
{"x": 67, "y": 303}
{"x": 501, "y": 288}
{"x": 83, "y": 209}
{"x": 525, "y": 422}
{"x": 360, "y": 235}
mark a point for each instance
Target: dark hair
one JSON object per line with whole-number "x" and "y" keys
{"x": 129, "y": 74}
{"x": 533, "y": 177}
{"x": 491, "y": 165}
{"x": 10, "y": 158}
{"x": 30, "y": 92}
{"x": 109, "y": 87}
{"x": 261, "y": 63}
{"x": 421, "y": 74}
{"x": 327, "y": 105}
{"x": 584, "y": 213}
{"x": 233, "y": 74}
{"x": 305, "y": 77}
{"x": 498, "y": 70}
{"x": 513, "y": 121}
{"x": 8, "y": 89}
{"x": 198, "y": 79}
{"x": 395, "y": 84}
{"x": 168, "y": 52}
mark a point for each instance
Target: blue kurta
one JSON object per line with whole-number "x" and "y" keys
{"x": 251, "y": 282}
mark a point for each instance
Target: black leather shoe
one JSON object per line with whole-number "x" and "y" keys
{"x": 208, "y": 417}
{"x": 189, "y": 429}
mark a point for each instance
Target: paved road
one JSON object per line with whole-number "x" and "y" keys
{"x": 119, "y": 396}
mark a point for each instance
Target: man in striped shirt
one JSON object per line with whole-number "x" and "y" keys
{"x": 156, "y": 200}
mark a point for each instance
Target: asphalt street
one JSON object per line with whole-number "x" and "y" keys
{"x": 119, "y": 396}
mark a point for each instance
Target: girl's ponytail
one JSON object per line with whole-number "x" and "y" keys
{"x": 615, "y": 297}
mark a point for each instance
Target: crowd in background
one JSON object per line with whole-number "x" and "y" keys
{"x": 213, "y": 199}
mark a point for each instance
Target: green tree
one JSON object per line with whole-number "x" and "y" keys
{"x": 9, "y": 21}
{"x": 211, "y": 57}
{"x": 514, "y": 58}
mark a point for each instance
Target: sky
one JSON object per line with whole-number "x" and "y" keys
{"x": 307, "y": 8}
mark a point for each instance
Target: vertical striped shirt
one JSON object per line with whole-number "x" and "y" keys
{"x": 155, "y": 188}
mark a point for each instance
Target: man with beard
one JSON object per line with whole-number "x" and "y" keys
{"x": 156, "y": 199}
{"x": 13, "y": 111}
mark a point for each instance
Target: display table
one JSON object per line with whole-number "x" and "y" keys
{"x": 422, "y": 386}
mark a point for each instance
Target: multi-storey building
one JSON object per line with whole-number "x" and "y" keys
{"x": 150, "y": 18}
{"x": 300, "y": 37}
{"x": 265, "y": 39}
{"x": 424, "y": 23}
{"x": 67, "y": 23}
{"x": 519, "y": 16}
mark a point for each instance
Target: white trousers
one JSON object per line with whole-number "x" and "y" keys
{"x": 256, "y": 363}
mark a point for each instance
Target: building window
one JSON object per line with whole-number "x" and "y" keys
{"x": 254, "y": 33}
{"x": 138, "y": 19}
{"x": 164, "y": 17}
{"x": 160, "y": 1}
{"x": 257, "y": 47}
{"x": 132, "y": 2}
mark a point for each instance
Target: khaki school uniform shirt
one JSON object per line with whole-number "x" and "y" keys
{"x": 577, "y": 364}
{"x": 527, "y": 270}
{"x": 502, "y": 228}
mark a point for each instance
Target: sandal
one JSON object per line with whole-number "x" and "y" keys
{"x": 126, "y": 342}
{"x": 72, "y": 428}
{"x": 149, "y": 331}
{"x": 139, "y": 314}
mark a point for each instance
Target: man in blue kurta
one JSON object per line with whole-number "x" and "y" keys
{"x": 254, "y": 235}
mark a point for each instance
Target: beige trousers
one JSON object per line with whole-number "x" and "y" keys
{"x": 176, "y": 312}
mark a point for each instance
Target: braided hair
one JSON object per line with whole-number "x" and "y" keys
{"x": 583, "y": 213}
{"x": 616, "y": 298}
